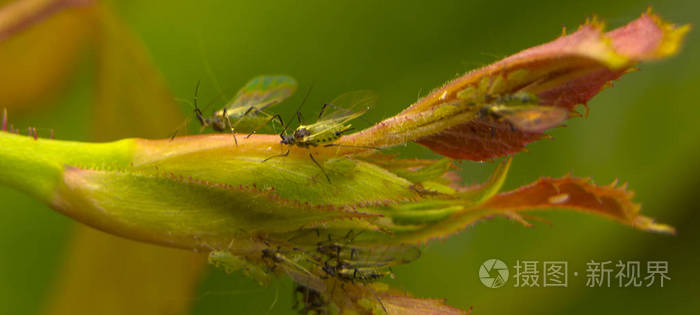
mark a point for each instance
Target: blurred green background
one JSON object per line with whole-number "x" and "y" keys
{"x": 644, "y": 131}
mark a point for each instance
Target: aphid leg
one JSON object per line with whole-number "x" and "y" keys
{"x": 340, "y": 133}
{"x": 272, "y": 118}
{"x": 284, "y": 127}
{"x": 250, "y": 109}
{"x": 381, "y": 303}
{"x": 323, "y": 109}
{"x": 353, "y": 253}
{"x": 278, "y": 118}
{"x": 183, "y": 126}
{"x": 321, "y": 167}
{"x": 300, "y": 118}
{"x": 275, "y": 156}
{"x": 230, "y": 126}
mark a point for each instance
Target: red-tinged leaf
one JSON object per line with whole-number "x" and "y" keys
{"x": 397, "y": 304}
{"x": 479, "y": 140}
{"x": 458, "y": 120}
{"x": 444, "y": 218}
{"x": 577, "y": 194}
{"x": 566, "y": 72}
{"x": 349, "y": 297}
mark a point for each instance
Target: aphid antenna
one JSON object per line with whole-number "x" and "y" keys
{"x": 298, "y": 111}
{"x": 272, "y": 118}
{"x": 207, "y": 67}
{"x": 197, "y": 111}
{"x": 281, "y": 123}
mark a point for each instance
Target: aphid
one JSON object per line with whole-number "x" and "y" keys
{"x": 287, "y": 261}
{"x": 531, "y": 118}
{"x": 332, "y": 123}
{"x": 245, "y": 112}
{"x": 366, "y": 256}
{"x": 346, "y": 272}
{"x": 332, "y": 120}
{"x": 522, "y": 111}
{"x": 362, "y": 263}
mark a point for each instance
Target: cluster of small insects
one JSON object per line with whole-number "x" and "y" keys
{"x": 337, "y": 259}
{"x": 340, "y": 258}
{"x": 246, "y": 113}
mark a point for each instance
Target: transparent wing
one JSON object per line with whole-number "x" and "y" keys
{"x": 387, "y": 256}
{"x": 532, "y": 118}
{"x": 372, "y": 257}
{"x": 263, "y": 91}
{"x": 348, "y": 106}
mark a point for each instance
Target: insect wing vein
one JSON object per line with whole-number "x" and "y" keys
{"x": 262, "y": 92}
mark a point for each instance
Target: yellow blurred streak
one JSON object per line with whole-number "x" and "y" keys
{"x": 104, "y": 274}
{"x": 36, "y": 61}
{"x": 132, "y": 99}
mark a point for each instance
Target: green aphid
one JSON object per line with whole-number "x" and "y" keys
{"x": 361, "y": 274}
{"x": 332, "y": 120}
{"x": 354, "y": 256}
{"x": 245, "y": 112}
{"x": 523, "y": 112}
{"x": 530, "y": 118}
{"x": 332, "y": 123}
